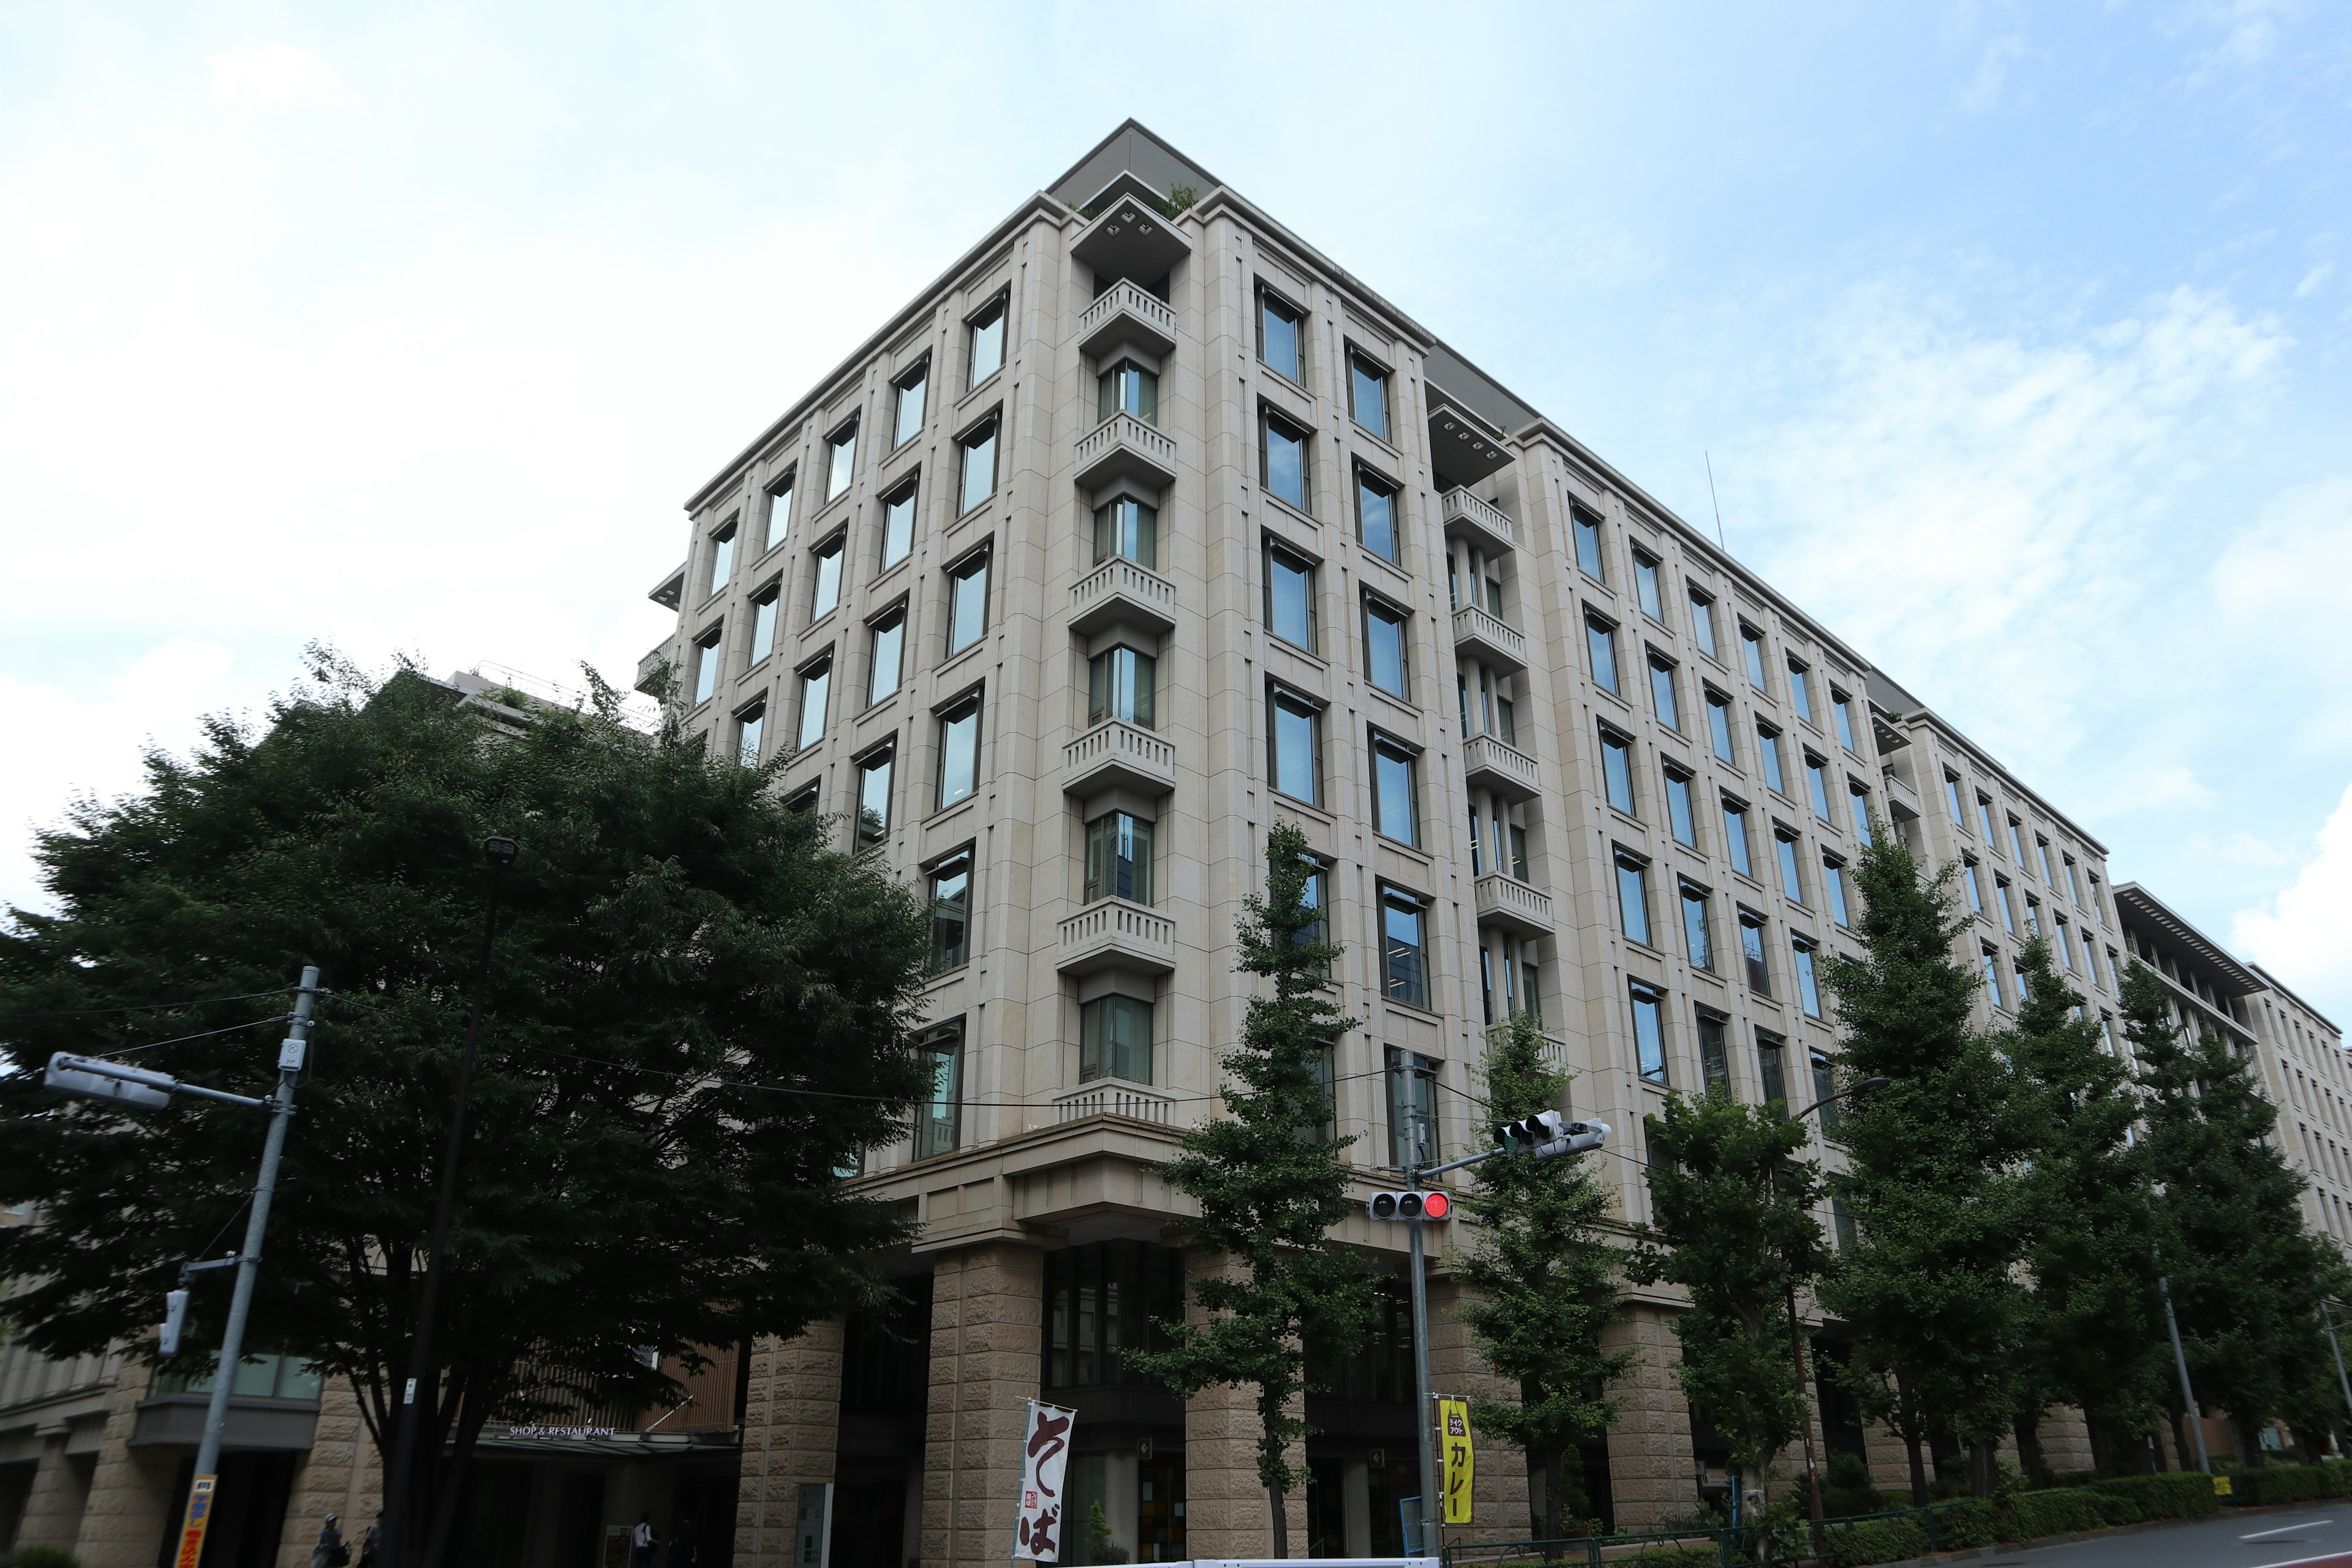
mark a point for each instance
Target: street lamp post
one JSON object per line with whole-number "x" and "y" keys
{"x": 1796, "y": 1335}
{"x": 398, "y": 1550}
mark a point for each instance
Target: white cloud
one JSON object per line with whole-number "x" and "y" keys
{"x": 270, "y": 77}
{"x": 2305, "y": 935}
{"x": 2279, "y": 583}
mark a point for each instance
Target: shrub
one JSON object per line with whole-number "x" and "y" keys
{"x": 2290, "y": 1483}
{"x": 41, "y": 1557}
{"x": 2027, "y": 1516}
{"x": 1969, "y": 1521}
{"x": 1675, "y": 1557}
{"x": 1880, "y": 1541}
{"x": 2178, "y": 1495}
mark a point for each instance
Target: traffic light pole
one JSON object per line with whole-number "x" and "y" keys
{"x": 2180, "y": 1364}
{"x": 2342, "y": 1382}
{"x": 1431, "y": 1510}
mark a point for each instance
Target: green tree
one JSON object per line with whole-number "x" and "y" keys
{"x": 1734, "y": 1226}
{"x": 1541, "y": 1278}
{"x": 696, "y": 1011}
{"x": 1270, "y": 1185}
{"x": 1930, "y": 1284}
{"x": 2247, "y": 1275}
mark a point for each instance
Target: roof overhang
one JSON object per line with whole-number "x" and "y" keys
{"x": 2145, "y": 907}
{"x": 1462, "y": 446}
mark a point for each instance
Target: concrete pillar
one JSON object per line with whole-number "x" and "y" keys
{"x": 986, "y": 1307}
{"x": 324, "y": 1479}
{"x": 1226, "y": 1511}
{"x": 1650, "y": 1454}
{"x": 53, "y": 1509}
{"x": 2065, "y": 1440}
{"x": 1890, "y": 1463}
{"x": 131, "y": 1493}
{"x": 1498, "y": 1503}
{"x": 791, "y": 1426}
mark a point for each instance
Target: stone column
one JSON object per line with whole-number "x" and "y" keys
{"x": 1650, "y": 1454}
{"x": 2065, "y": 1440}
{"x": 986, "y": 1307}
{"x": 324, "y": 1479}
{"x": 53, "y": 1507}
{"x": 791, "y": 1425}
{"x": 131, "y": 1492}
{"x": 1226, "y": 1512}
{"x": 1498, "y": 1502}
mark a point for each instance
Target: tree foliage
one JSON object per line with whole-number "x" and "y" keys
{"x": 1270, "y": 1187}
{"x": 696, "y": 1011}
{"x": 1541, "y": 1277}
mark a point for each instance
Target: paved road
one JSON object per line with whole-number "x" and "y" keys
{"x": 2317, "y": 1537}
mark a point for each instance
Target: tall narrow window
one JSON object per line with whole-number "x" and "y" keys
{"x": 1984, "y": 820}
{"x": 1119, "y": 858}
{"x": 1833, "y": 889}
{"x": 1294, "y": 765}
{"x": 1809, "y": 985}
{"x": 1277, "y": 337}
{"x": 897, "y": 525}
{"x": 1478, "y": 845}
{"x": 816, "y": 680}
{"x": 2042, "y": 851}
{"x": 1119, "y": 683}
{"x": 1751, "y": 652}
{"x": 1385, "y": 655}
{"x": 1646, "y": 587}
{"x": 959, "y": 752}
{"x": 1973, "y": 886}
{"x": 1587, "y": 544}
{"x": 1517, "y": 843}
{"x": 1375, "y": 515}
{"x": 1290, "y": 598}
{"x": 1367, "y": 395}
{"x": 1679, "y": 807}
{"x": 1734, "y": 837}
{"x": 722, "y": 556}
{"x": 1698, "y": 935}
{"x": 1396, "y": 811}
{"x": 763, "y": 622}
{"x": 2008, "y": 910}
{"x": 2065, "y": 949}
{"x": 1714, "y": 1058}
{"x": 1801, "y": 691}
{"x": 910, "y": 421}
{"x": 824, "y": 589}
{"x": 1772, "y": 1068}
{"x": 750, "y": 724}
{"x": 1752, "y": 953}
{"x": 979, "y": 449}
{"x": 1413, "y": 1108}
{"x": 1617, "y": 770}
{"x": 2074, "y": 886}
{"x": 1719, "y": 727}
{"x": 939, "y": 1120}
{"x": 780, "y": 511}
{"x": 1952, "y": 798}
{"x": 1601, "y": 638}
{"x": 1767, "y": 748}
{"x": 1990, "y": 960}
{"x": 874, "y": 799}
{"x": 1127, "y": 527}
{"x": 1858, "y": 799}
{"x": 841, "y": 459}
{"x": 1127, "y": 387}
{"x": 1791, "y": 883}
{"x": 1843, "y": 705}
{"x": 886, "y": 643}
{"x": 1702, "y": 619}
{"x": 1817, "y": 785}
{"x": 1661, "y": 693}
{"x": 1402, "y": 950}
{"x": 2016, "y": 845}
{"x": 1282, "y": 458}
{"x": 1649, "y": 1031}
{"x": 1824, "y": 1086}
{"x": 950, "y": 911}
{"x": 1115, "y": 1040}
{"x": 984, "y": 335}
{"x": 967, "y": 602}
{"x": 1633, "y": 901}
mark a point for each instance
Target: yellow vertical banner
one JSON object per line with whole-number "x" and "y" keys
{"x": 1454, "y": 1425}
{"x": 193, "y": 1526}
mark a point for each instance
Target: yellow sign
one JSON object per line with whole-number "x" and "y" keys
{"x": 192, "y": 1529}
{"x": 1454, "y": 1429}
{"x": 2221, "y": 1485}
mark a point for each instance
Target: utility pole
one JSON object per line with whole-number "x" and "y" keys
{"x": 1796, "y": 1336}
{"x": 1433, "y": 1508}
{"x": 2342, "y": 1382}
{"x": 2180, "y": 1364}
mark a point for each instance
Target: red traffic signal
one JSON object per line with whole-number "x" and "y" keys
{"x": 1410, "y": 1206}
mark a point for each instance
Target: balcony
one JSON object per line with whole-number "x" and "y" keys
{"x": 1124, "y": 447}
{"x": 1902, "y": 800}
{"x": 1483, "y": 524}
{"x": 1115, "y": 1098}
{"x": 1133, "y": 237}
{"x": 1506, "y": 770}
{"x": 670, "y": 589}
{"x": 1119, "y": 591}
{"x": 1117, "y": 754}
{"x": 1464, "y": 447}
{"x": 1510, "y": 903}
{"x": 1126, "y": 314}
{"x": 1116, "y": 934}
{"x": 1488, "y": 640}
{"x": 649, "y": 669}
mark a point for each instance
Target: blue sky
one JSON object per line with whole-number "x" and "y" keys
{"x": 2019, "y": 334}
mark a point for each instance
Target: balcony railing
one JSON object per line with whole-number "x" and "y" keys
{"x": 1120, "y": 590}
{"x": 1489, "y": 639}
{"x": 1117, "y": 753}
{"x": 1116, "y": 1099}
{"x": 649, "y": 670}
{"x": 1116, "y": 934}
{"x": 1482, "y": 522}
{"x": 1507, "y": 902}
{"x": 1124, "y": 313}
{"x": 1123, "y": 446}
{"x": 1506, "y": 770}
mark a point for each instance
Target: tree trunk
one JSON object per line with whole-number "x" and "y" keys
{"x": 1274, "y": 1495}
{"x": 1911, "y": 1446}
{"x": 1980, "y": 1468}
{"x": 1554, "y": 1497}
{"x": 2102, "y": 1456}
{"x": 2147, "y": 1456}
{"x": 2180, "y": 1444}
{"x": 2029, "y": 1448}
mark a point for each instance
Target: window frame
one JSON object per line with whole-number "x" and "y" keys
{"x": 1270, "y": 298}
{"x": 1393, "y": 750}
{"x": 944, "y": 1045}
{"x": 832, "y": 550}
{"x": 1615, "y": 743}
{"x": 1721, "y": 739}
{"x": 958, "y": 571}
{"x": 906, "y": 494}
{"x": 946, "y": 715}
{"x": 934, "y": 872}
{"x": 1756, "y": 951}
{"x": 1600, "y": 633}
{"x": 818, "y": 669}
{"x": 1753, "y": 663}
{"x": 892, "y": 618}
{"x": 881, "y": 759}
{"x": 1370, "y": 480}
{"x": 1649, "y": 585}
{"x": 1739, "y": 848}
{"x": 1091, "y": 1013}
{"x": 1303, "y": 567}
{"x": 1390, "y": 899}
{"x": 1682, "y": 816}
{"x": 1282, "y": 697}
{"x": 1379, "y": 606}
{"x": 1585, "y": 526}
{"x": 981, "y": 435}
{"x": 1381, "y": 377}
{"x": 754, "y": 719}
{"x": 1663, "y": 683}
{"x": 1642, "y": 999}
{"x": 722, "y": 557}
{"x": 995, "y": 311}
{"x": 841, "y": 461}
{"x": 1633, "y": 871}
{"x": 1269, "y": 419}
{"x": 779, "y": 507}
{"x": 1698, "y": 899}
{"x": 917, "y": 379}
{"x": 767, "y": 615}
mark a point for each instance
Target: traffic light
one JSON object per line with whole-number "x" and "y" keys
{"x": 1548, "y": 1135}
{"x": 175, "y": 1318}
{"x": 1410, "y": 1206}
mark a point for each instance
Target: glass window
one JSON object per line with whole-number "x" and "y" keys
{"x": 1402, "y": 950}
{"x": 1367, "y": 395}
{"x": 763, "y": 623}
{"x": 1833, "y": 889}
{"x": 1719, "y": 727}
{"x": 1734, "y": 837}
{"x": 780, "y": 511}
{"x": 1679, "y": 807}
{"x": 1859, "y": 799}
{"x": 2042, "y": 851}
{"x": 967, "y": 602}
{"x": 1991, "y": 963}
{"x": 1714, "y": 1058}
{"x": 824, "y": 591}
{"x": 1984, "y": 819}
{"x": 2016, "y": 845}
{"x": 814, "y": 681}
{"x": 1127, "y": 388}
{"x": 1395, "y": 810}
{"x": 1127, "y": 527}
{"x": 1801, "y": 691}
{"x": 1649, "y": 1031}
{"x": 1119, "y": 683}
{"x": 1772, "y": 1068}
{"x": 1119, "y": 858}
{"x": 985, "y": 335}
{"x": 910, "y": 420}
{"x": 1952, "y": 798}
{"x": 950, "y": 911}
{"x": 1281, "y": 457}
{"x": 1519, "y": 845}
{"x": 1817, "y": 785}
{"x": 1384, "y": 646}
{"x": 1751, "y": 649}
{"x": 2065, "y": 950}
{"x": 1768, "y": 747}
{"x": 1808, "y": 988}
{"x": 1792, "y": 884}
{"x": 1477, "y": 849}
{"x": 1702, "y": 616}
{"x": 1602, "y": 640}
{"x": 1312, "y": 896}
{"x": 1825, "y": 1085}
{"x": 1646, "y": 584}
{"x": 959, "y": 753}
{"x": 1661, "y": 693}
{"x": 978, "y": 467}
{"x": 2033, "y": 915}
{"x": 2074, "y": 886}
{"x": 1974, "y": 887}
{"x": 1375, "y": 515}
{"x": 897, "y": 525}
{"x": 887, "y": 640}
{"x": 1290, "y": 598}
{"x": 1587, "y": 544}
{"x": 841, "y": 461}
{"x": 1291, "y": 738}
{"x": 940, "y": 1119}
{"x": 1412, "y": 1109}
{"x": 1633, "y": 901}
{"x": 2008, "y": 911}
{"x": 1115, "y": 1040}
{"x": 874, "y": 799}
{"x": 1843, "y": 705}
{"x": 1277, "y": 337}
{"x": 722, "y": 556}
{"x": 749, "y": 725}
{"x": 1752, "y": 953}
{"x": 1617, "y": 770}
{"x": 1698, "y": 935}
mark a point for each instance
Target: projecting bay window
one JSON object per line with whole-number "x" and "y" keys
{"x": 1649, "y": 1013}
{"x": 1404, "y": 950}
{"x": 1119, "y": 858}
{"x": 938, "y": 1120}
{"x": 1130, "y": 387}
{"x": 1412, "y": 1109}
{"x": 1115, "y": 1040}
{"x": 1119, "y": 685}
{"x": 1127, "y": 527}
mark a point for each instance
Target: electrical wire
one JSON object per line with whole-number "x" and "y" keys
{"x": 144, "y": 1006}
{"x": 177, "y": 1039}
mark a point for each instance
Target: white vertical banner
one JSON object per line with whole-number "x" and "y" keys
{"x": 1044, "y": 1455}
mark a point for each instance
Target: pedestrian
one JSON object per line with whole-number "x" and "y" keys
{"x": 331, "y": 1551}
{"x": 681, "y": 1543}
{"x": 640, "y": 1542}
{"x": 372, "y": 1542}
